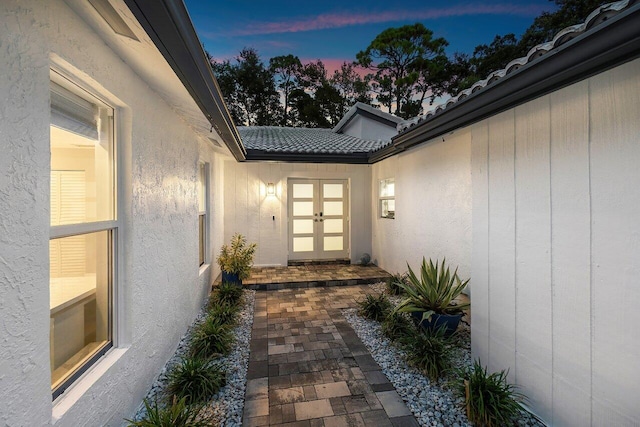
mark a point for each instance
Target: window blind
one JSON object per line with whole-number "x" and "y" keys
{"x": 72, "y": 113}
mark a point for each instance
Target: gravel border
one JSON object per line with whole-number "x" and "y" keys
{"x": 433, "y": 404}
{"x": 226, "y": 406}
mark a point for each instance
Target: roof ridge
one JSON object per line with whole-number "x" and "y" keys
{"x": 595, "y": 18}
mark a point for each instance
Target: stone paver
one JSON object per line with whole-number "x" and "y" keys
{"x": 308, "y": 367}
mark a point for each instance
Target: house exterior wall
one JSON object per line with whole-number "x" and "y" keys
{"x": 160, "y": 288}
{"x": 556, "y": 247}
{"x": 433, "y": 206}
{"x": 365, "y": 128}
{"x": 248, "y": 210}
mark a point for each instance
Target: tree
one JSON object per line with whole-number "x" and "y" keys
{"x": 400, "y": 58}
{"x": 351, "y": 86}
{"x": 287, "y": 69}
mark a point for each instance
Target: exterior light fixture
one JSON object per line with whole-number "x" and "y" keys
{"x": 271, "y": 189}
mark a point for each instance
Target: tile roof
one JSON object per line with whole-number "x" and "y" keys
{"x": 275, "y": 139}
{"x": 597, "y": 17}
{"x": 373, "y": 112}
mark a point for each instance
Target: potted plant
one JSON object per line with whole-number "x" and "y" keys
{"x": 430, "y": 298}
{"x": 235, "y": 260}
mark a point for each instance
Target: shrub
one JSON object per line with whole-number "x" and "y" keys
{"x": 238, "y": 257}
{"x": 224, "y": 313}
{"x": 374, "y": 307}
{"x": 428, "y": 351}
{"x": 227, "y": 293}
{"x": 396, "y": 326}
{"x": 179, "y": 414}
{"x": 394, "y": 282}
{"x": 195, "y": 379}
{"x": 490, "y": 400}
{"x": 211, "y": 338}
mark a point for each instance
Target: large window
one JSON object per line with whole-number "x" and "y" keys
{"x": 83, "y": 231}
{"x": 202, "y": 212}
{"x": 387, "y": 198}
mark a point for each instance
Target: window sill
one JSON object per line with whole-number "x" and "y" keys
{"x": 203, "y": 269}
{"x": 74, "y": 393}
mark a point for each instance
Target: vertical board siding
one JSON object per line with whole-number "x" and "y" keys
{"x": 533, "y": 247}
{"x": 502, "y": 334}
{"x": 615, "y": 201}
{"x": 480, "y": 250}
{"x": 569, "y": 272}
{"x": 571, "y": 259}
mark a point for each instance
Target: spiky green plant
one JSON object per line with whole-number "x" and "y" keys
{"x": 374, "y": 307}
{"x": 195, "y": 379}
{"x": 434, "y": 292}
{"x": 238, "y": 257}
{"x": 428, "y": 350}
{"x": 224, "y": 313}
{"x": 393, "y": 283}
{"x": 396, "y": 326}
{"x": 178, "y": 414}
{"x": 226, "y": 293}
{"x": 490, "y": 400}
{"x": 211, "y": 338}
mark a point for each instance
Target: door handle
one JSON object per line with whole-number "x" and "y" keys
{"x": 321, "y": 219}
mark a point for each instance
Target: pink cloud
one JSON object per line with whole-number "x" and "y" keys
{"x": 333, "y": 64}
{"x": 335, "y": 20}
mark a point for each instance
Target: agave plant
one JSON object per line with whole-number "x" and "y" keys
{"x": 434, "y": 292}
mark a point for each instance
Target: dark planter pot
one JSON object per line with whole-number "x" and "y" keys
{"x": 449, "y": 321}
{"x": 231, "y": 278}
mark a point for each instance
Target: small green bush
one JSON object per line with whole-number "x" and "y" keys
{"x": 374, "y": 307}
{"x": 394, "y": 282}
{"x": 396, "y": 326}
{"x": 224, "y": 313}
{"x": 227, "y": 293}
{"x": 179, "y": 414}
{"x": 211, "y": 338}
{"x": 490, "y": 399}
{"x": 195, "y": 379}
{"x": 428, "y": 351}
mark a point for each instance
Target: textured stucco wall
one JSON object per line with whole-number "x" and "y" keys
{"x": 160, "y": 288}
{"x": 248, "y": 211}
{"x": 433, "y": 206}
{"x": 556, "y": 244}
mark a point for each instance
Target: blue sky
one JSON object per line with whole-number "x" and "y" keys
{"x": 335, "y": 31}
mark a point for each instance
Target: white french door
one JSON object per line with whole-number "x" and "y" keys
{"x": 318, "y": 219}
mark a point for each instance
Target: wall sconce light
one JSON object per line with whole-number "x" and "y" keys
{"x": 271, "y": 189}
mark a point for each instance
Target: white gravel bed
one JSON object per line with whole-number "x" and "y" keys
{"x": 226, "y": 406}
{"x": 433, "y": 404}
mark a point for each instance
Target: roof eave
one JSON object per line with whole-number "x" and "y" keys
{"x": 281, "y": 156}
{"x": 168, "y": 24}
{"x": 614, "y": 42}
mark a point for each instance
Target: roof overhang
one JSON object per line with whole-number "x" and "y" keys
{"x": 611, "y": 44}
{"x": 168, "y": 24}
{"x": 348, "y": 158}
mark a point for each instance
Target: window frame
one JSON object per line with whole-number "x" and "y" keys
{"x": 113, "y": 226}
{"x": 203, "y": 214}
{"x": 382, "y": 199}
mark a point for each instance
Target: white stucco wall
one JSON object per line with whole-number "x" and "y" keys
{"x": 160, "y": 287}
{"x": 556, "y": 244}
{"x": 365, "y": 128}
{"x": 433, "y": 206}
{"x": 248, "y": 210}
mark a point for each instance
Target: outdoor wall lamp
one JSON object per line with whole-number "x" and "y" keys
{"x": 271, "y": 189}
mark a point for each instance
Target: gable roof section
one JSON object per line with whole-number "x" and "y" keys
{"x": 305, "y": 145}
{"x": 369, "y": 112}
{"x": 610, "y": 36}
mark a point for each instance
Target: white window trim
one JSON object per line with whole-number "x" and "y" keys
{"x": 381, "y": 198}
{"x": 207, "y": 210}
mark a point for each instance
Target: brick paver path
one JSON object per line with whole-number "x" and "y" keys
{"x": 308, "y": 367}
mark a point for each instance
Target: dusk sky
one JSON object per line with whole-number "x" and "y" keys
{"x": 334, "y": 31}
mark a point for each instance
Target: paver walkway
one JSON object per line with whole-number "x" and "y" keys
{"x": 308, "y": 367}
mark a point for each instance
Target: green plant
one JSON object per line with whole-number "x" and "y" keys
{"x": 211, "y": 338}
{"x": 224, "y": 313}
{"x": 179, "y": 414}
{"x": 428, "y": 351}
{"x": 238, "y": 257}
{"x": 433, "y": 292}
{"x": 227, "y": 293}
{"x": 394, "y": 282}
{"x": 396, "y": 326}
{"x": 490, "y": 399}
{"x": 374, "y": 307}
{"x": 195, "y": 379}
